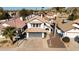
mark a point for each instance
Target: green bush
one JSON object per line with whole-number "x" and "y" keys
{"x": 76, "y": 39}
{"x": 66, "y": 39}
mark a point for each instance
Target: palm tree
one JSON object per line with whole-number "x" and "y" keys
{"x": 9, "y": 32}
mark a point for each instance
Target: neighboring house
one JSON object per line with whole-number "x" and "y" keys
{"x": 14, "y": 22}
{"x": 38, "y": 27}
{"x": 17, "y": 23}
{"x": 51, "y": 15}
{"x": 70, "y": 29}
{"x": 30, "y": 16}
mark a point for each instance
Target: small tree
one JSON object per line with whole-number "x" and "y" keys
{"x": 9, "y": 32}
{"x": 76, "y": 39}
{"x": 23, "y": 13}
{"x": 72, "y": 17}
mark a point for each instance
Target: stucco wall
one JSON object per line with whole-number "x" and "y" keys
{"x": 72, "y": 33}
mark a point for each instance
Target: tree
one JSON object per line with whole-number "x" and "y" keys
{"x": 74, "y": 14}
{"x": 59, "y": 9}
{"x": 22, "y": 13}
{"x": 7, "y": 16}
{"x": 1, "y": 10}
{"x": 76, "y": 39}
{"x": 25, "y": 13}
{"x": 9, "y": 32}
{"x": 72, "y": 17}
{"x": 4, "y": 14}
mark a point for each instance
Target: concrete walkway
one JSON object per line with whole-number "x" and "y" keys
{"x": 45, "y": 44}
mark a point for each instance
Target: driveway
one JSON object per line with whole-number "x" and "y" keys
{"x": 35, "y": 43}
{"x": 32, "y": 43}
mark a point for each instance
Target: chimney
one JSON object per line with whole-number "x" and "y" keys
{"x": 41, "y": 15}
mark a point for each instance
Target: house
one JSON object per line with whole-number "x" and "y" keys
{"x": 14, "y": 22}
{"x": 51, "y": 15}
{"x": 38, "y": 27}
{"x": 13, "y": 13}
{"x": 70, "y": 29}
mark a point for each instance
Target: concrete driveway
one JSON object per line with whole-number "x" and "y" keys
{"x": 33, "y": 43}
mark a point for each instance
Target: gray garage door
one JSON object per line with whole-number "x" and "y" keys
{"x": 35, "y": 34}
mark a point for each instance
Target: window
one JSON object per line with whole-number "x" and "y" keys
{"x": 35, "y": 25}
{"x": 39, "y": 25}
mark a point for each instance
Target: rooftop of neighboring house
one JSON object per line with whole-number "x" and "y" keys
{"x": 63, "y": 15}
{"x": 69, "y": 25}
{"x": 50, "y": 14}
{"x": 76, "y": 23}
{"x": 18, "y": 23}
{"x": 66, "y": 25}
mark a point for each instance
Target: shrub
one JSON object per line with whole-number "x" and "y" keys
{"x": 76, "y": 39}
{"x": 66, "y": 39}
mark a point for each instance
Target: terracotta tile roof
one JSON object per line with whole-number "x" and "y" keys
{"x": 35, "y": 30}
{"x": 16, "y": 23}
{"x": 13, "y": 22}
